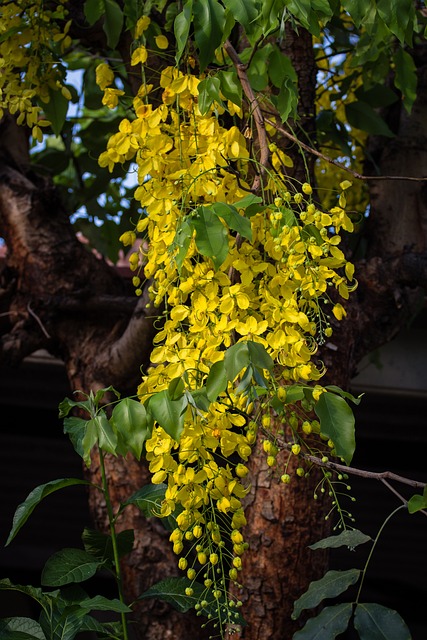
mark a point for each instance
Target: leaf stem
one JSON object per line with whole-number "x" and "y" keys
{"x": 402, "y": 506}
{"x": 111, "y": 521}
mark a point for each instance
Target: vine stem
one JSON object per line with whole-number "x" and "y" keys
{"x": 113, "y": 541}
{"x": 402, "y": 506}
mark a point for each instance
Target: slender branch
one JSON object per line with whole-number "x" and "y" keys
{"x": 318, "y": 154}
{"x": 255, "y": 110}
{"x": 363, "y": 473}
{"x": 382, "y": 476}
{"x": 37, "y": 319}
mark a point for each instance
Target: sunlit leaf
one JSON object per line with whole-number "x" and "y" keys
{"x": 129, "y": 418}
{"x": 168, "y": 413}
{"x": 337, "y": 423}
{"x": 209, "y": 21}
{"x": 211, "y": 236}
{"x": 216, "y": 381}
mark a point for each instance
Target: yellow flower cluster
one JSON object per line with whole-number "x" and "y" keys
{"x": 31, "y": 42}
{"x": 229, "y": 267}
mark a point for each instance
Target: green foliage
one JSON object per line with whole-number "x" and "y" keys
{"x": 337, "y": 423}
{"x": 371, "y": 621}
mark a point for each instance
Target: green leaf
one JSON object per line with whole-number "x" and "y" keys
{"x": 258, "y": 70}
{"x": 247, "y": 201}
{"x": 399, "y": 16}
{"x": 148, "y": 499}
{"x": 89, "y": 440}
{"x": 209, "y": 92}
{"x": 25, "y": 509}
{"x": 337, "y": 423}
{"x": 56, "y": 110}
{"x": 129, "y": 418}
{"x": 347, "y": 538}
{"x": 232, "y": 217}
{"x": 280, "y": 68}
{"x": 107, "y": 439}
{"x": 172, "y": 590}
{"x": 176, "y": 388}
{"x": 331, "y": 585}
{"x": 344, "y": 394}
{"x": 33, "y": 592}
{"x": 60, "y": 624}
{"x": 209, "y": 22}
{"x": 231, "y": 88}
{"x": 242, "y": 354}
{"x": 259, "y": 357}
{"x": 361, "y": 115}
{"x": 294, "y": 393}
{"x": 328, "y": 624}
{"x": 198, "y": 399}
{"x": 99, "y": 545}
{"x": 405, "y": 77}
{"x": 216, "y": 381}
{"x": 69, "y": 565}
{"x": 76, "y": 429}
{"x": 113, "y": 22}
{"x": 244, "y": 12}
{"x": 182, "y": 240}
{"x": 20, "y": 629}
{"x": 99, "y": 603}
{"x": 181, "y": 28}
{"x": 93, "y": 10}
{"x": 375, "y": 622}
{"x": 418, "y": 502}
{"x": 377, "y": 96}
{"x": 287, "y": 100}
{"x": 357, "y": 9}
{"x": 236, "y": 358}
{"x": 211, "y": 236}
{"x": 168, "y": 413}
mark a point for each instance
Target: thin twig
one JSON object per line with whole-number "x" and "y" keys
{"x": 37, "y": 319}
{"x": 318, "y": 154}
{"x": 255, "y": 110}
{"x": 374, "y": 475}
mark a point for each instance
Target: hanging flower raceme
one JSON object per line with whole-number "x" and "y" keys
{"x": 31, "y": 41}
{"x": 245, "y": 283}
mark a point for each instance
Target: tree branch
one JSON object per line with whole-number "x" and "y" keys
{"x": 381, "y": 476}
{"x": 318, "y": 154}
{"x": 255, "y": 111}
{"x": 134, "y": 345}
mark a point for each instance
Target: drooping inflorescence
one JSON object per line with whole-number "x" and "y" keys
{"x": 243, "y": 285}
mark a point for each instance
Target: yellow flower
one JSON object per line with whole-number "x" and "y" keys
{"x": 142, "y": 25}
{"x": 111, "y": 97}
{"x": 139, "y": 55}
{"x": 162, "y": 42}
{"x": 104, "y": 76}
